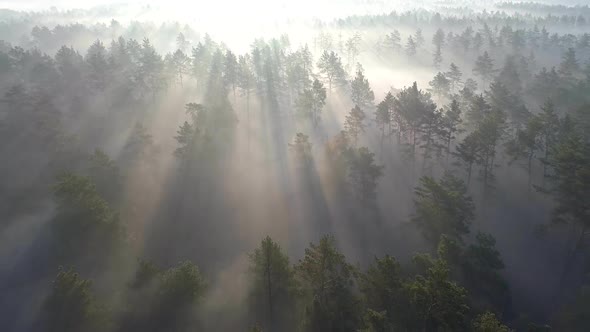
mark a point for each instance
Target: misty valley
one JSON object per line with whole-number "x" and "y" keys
{"x": 363, "y": 166}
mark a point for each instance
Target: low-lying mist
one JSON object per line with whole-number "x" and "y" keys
{"x": 148, "y": 149}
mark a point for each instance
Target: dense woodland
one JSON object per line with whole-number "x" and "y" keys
{"x": 409, "y": 171}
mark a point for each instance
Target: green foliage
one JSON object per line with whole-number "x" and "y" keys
{"x": 439, "y": 303}
{"x": 484, "y": 67}
{"x": 150, "y": 73}
{"x": 301, "y": 147}
{"x": 328, "y": 280}
{"x": 570, "y": 161}
{"x": 449, "y": 125}
{"x": 255, "y": 328}
{"x": 468, "y": 153}
{"x": 569, "y": 66}
{"x": 46, "y": 98}
{"x": 145, "y": 274}
{"x": 331, "y": 70}
{"x": 139, "y": 147}
{"x": 104, "y": 172}
{"x": 376, "y": 322}
{"x": 454, "y": 76}
{"x": 503, "y": 100}
{"x": 71, "y": 306}
{"x": 181, "y": 286}
{"x": 413, "y": 109}
{"x": 509, "y": 76}
{"x": 411, "y": 47}
{"x": 245, "y": 76}
{"x": 85, "y": 225}
{"x": 311, "y": 102}
{"x": 384, "y": 295}
{"x": 179, "y": 63}
{"x": 384, "y": 116}
{"x": 480, "y": 265}
{"x": 163, "y": 300}
{"x": 393, "y": 41}
{"x": 489, "y": 133}
{"x": 361, "y": 92}
{"x": 230, "y": 71}
{"x": 274, "y": 290}
{"x": 526, "y": 143}
{"x": 354, "y": 124}
{"x": 438, "y": 39}
{"x": 487, "y": 322}
{"x": 440, "y": 85}
{"x": 221, "y": 118}
{"x": 442, "y": 207}
{"x": 196, "y": 139}
{"x": 477, "y": 110}
{"x": 363, "y": 175}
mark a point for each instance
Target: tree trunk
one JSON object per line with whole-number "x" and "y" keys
{"x": 448, "y": 152}
{"x": 545, "y": 165}
{"x": 530, "y": 171}
{"x": 269, "y": 288}
{"x": 248, "y": 118}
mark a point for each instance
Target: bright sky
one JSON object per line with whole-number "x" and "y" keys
{"x": 222, "y": 15}
{"x": 291, "y": 7}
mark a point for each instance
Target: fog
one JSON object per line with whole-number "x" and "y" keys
{"x": 149, "y": 147}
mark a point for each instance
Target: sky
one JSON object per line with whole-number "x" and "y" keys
{"x": 219, "y": 15}
{"x": 195, "y": 6}
{"x": 291, "y": 6}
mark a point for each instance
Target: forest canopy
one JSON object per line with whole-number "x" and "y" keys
{"x": 353, "y": 166}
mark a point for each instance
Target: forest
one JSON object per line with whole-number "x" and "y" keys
{"x": 376, "y": 168}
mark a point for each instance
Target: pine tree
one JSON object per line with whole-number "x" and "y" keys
{"x": 352, "y": 49}
{"x": 328, "y": 280}
{"x": 181, "y": 43}
{"x": 246, "y": 82}
{"x": 180, "y": 64}
{"x": 411, "y": 47}
{"x": 438, "y": 40}
{"x": 490, "y": 133}
{"x": 450, "y": 122}
{"x": 361, "y": 92}
{"x": 71, "y": 306}
{"x": 419, "y": 38}
{"x": 354, "y": 124}
{"x": 569, "y": 66}
{"x": 440, "y": 85}
{"x": 231, "y": 72}
{"x": 412, "y": 109}
{"x": 97, "y": 65}
{"x": 570, "y": 187}
{"x": 382, "y": 288}
{"x": 526, "y": 144}
{"x": 393, "y": 41}
{"x": 550, "y": 128}
{"x": 442, "y": 207}
{"x": 383, "y": 116}
{"x": 363, "y": 175}
{"x": 273, "y": 287}
{"x": 439, "y": 303}
{"x": 150, "y": 70}
{"x": 437, "y": 58}
{"x": 330, "y": 67}
{"x": 468, "y": 153}
{"x": 454, "y": 76}
{"x": 484, "y": 68}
